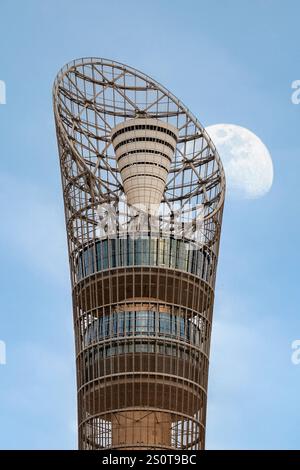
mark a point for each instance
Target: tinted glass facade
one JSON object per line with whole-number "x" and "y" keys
{"x": 143, "y": 323}
{"x": 166, "y": 252}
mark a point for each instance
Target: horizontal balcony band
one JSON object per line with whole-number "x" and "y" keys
{"x": 153, "y": 340}
{"x": 144, "y": 139}
{"x": 143, "y": 127}
{"x": 156, "y": 378}
{"x": 144, "y": 151}
{"x": 175, "y": 416}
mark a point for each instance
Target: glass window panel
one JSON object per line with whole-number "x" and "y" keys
{"x": 137, "y": 252}
{"x": 182, "y": 327}
{"x": 104, "y": 254}
{"x": 153, "y": 252}
{"x": 121, "y": 323}
{"x": 98, "y": 257}
{"x": 172, "y": 243}
{"x": 164, "y": 323}
{"x": 106, "y": 325}
{"x": 166, "y": 252}
{"x": 113, "y": 254}
{"x": 151, "y": 323}
{"x": 173, "y": 325}
{"x": 129, "y": 322}
{"x": 115, "y": 324}
{"x": 129, "y": 252}
{"x": 100, "y": 327}
{"x": 141, "y": 322}
{"x": 85, "y": 262}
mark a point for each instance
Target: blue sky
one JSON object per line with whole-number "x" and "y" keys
{"x": 229, "y": 61}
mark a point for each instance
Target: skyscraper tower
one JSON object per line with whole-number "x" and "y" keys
{"x": 143, "y": 190}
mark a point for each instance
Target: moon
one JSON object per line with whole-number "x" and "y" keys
{"x": 247, "y": 162}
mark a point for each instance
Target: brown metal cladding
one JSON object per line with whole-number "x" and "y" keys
{"x": 142, "y": 308}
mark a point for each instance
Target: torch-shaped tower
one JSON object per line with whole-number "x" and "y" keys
{"x": 144, "y": 190}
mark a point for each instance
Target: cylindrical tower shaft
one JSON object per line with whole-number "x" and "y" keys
{"x": 143, "y": 191}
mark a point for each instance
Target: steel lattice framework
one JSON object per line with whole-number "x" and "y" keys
{"x": 142, "y": 305}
